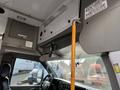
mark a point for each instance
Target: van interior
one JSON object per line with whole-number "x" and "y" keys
{"x": 36, "y": 44}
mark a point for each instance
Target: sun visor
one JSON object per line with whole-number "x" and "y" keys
{"x": 101, "y": 31}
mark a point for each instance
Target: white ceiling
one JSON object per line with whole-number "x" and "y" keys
{"x": 38, "y": 8}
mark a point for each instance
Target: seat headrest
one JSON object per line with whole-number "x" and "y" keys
{"x": 5, "y": 70}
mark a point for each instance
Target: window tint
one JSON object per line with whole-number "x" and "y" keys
{"x": 27, "y": 72}
{"x": 90, "y": 71}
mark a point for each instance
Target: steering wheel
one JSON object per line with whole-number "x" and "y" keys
{"x": 45, "y": 84}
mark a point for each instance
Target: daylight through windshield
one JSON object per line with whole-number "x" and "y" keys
{"x": 90, "y": 71}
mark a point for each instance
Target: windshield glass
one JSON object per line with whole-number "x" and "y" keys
{"x": 90, "y": 71}
{"x": 27, "y": 72}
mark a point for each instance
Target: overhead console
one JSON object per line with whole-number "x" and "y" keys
{"x": 20, "y": 38}
{"x": 56, "y": 30}
{"x": 101, "y": 30}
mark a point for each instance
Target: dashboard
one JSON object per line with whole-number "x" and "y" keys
{"x": 63, "y": 85}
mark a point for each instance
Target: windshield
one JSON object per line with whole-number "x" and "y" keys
{"x": 90, "y": 71}
{"x": 27, "y": 72}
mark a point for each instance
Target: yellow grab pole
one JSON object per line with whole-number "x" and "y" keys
{"x": 73, "y": 55}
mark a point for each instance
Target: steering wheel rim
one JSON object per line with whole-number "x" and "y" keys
{"x": 44, "y": 79}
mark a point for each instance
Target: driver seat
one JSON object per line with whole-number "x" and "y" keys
{"x": 5, "y": 70}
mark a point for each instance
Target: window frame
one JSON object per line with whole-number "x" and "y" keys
{"x": 42, "y": 63}
{"x": 110, "y": 70}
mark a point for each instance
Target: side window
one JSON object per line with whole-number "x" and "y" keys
{"x": 27, "y": 72}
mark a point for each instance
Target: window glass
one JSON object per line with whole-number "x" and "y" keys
{"x": 90, "y": 71}
{"x": 27, "y": 72}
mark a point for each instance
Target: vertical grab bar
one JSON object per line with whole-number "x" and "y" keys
{"x": 73, "y": 55}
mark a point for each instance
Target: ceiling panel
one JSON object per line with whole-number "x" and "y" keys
{"x": 14, "y": 15}
{"x": 37, "y": 8}
{"x": 5, "y": 1}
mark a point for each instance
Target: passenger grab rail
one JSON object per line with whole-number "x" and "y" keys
{"x": 73, "y": 54}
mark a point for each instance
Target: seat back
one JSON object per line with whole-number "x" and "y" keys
{"x": 5, "y": 70}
